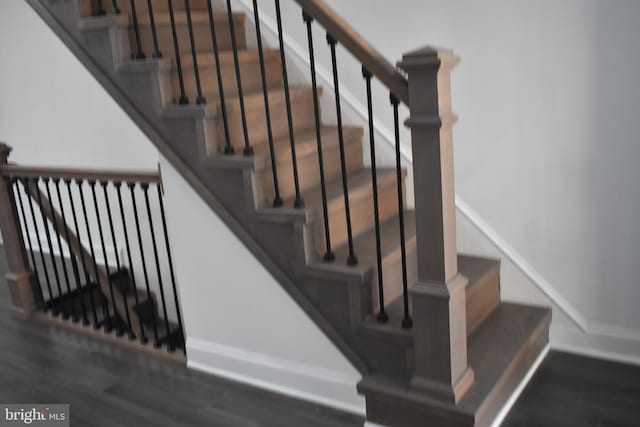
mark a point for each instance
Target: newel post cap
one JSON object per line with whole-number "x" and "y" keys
{"x": 428, "y": 57}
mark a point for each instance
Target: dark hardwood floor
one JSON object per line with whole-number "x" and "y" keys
{"x": 575, "y": 391}
{"x": 114, "y": 387}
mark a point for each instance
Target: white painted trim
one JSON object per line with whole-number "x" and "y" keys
{"x": 295, "y": 379}
{"x": 370, "y": 424}
{"x": 606, "y": 347}
{"x": 516, "y": 393}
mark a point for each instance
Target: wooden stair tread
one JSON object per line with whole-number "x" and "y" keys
{"x": 255, "y": 99}
{"x": 207, "y": 59}
{"x": 365, "y": 244}
{"x": 483, "y": 289}
{"x": 197, "y": 17}
{"x": 307, "y": 144}
{"x": 357, "y": 182}
{"x": 475, "y": 267}
{"x": 499, "y": 353}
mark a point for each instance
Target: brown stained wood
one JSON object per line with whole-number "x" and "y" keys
{"x": 302, "y": 112}
{"x": 361, "y": 204}
{"x": 249, "y": 71}
{"x": 201, "y": 31}
{"x": 20, "y": 171}
{"x": 362, "y": 50}
{"x": 307, "y": 156}
{"x": 500, "y": 353}
{"x": 365, "y": 246}
{"x": 483, "y": 290}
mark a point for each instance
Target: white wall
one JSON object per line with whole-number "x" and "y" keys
{"x": 241, "y": 324}
{"x": 239, "y": 321}
{"x": 546, "y": 146}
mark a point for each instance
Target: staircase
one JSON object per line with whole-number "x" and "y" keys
{"x": 424, "y": 325}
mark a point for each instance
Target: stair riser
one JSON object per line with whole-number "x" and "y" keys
{"x": 362, "y": 214}
{"x": 90, "y": 8}
{"x": 249, "y": 74}
{"x": 302, "y": 113}
{"x": 309, "y": 171}
{"x": 202, "y": 36}
{"x": 392, "y": 275}
{"x": 482, "y": 298}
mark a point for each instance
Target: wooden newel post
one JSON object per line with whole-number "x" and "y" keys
{"x": 20, "y": 278}
{"x": 438, "y": 296}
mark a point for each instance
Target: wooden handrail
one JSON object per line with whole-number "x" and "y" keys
{"x": 362, "y": 50}
{"x": 142, "y": 177}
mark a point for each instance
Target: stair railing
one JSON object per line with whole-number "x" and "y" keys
{"x": 57, "y": 225}
{"x": 421, "y": 82}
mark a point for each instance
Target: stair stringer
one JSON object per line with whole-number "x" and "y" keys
{"x": 336, "y": 297}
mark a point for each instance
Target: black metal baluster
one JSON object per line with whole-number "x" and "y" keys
{"x": 228, "y": 148}
{"x": 248, "y": 150}
{"x": 115, "y": 9}
{"x": 74, "y": 317}
{"x": 154, "y": 33}
{"x": 115, "y": 250}
{"x": 105, "y": 306}
{"x": 298, "y": 203}
{"x": 50, "y": 245}
{"x": 25, "y": 185}
{"x": 92, "y": 184}
{"x": 145, "y": 190}
{"x": 74, "y": 263}
{"x": 85, "y": 270}
{"x": 194, "y": 55}
{"x": 173, "y": 277}
{"x": 407, "y": 322}
{"x": 136, "y": 28}
{"x": 328, "y": 256}
{"x": 100, "y": 10}
{"x": 118, "y": 185}
{"x": 277, "y": 200}
{"x": 144, "y": 264}
{"x": 26, "y": 239}
{"x": 352, "y": 260}
{"x": 183, "y": 100}
{"x": 382, "y": 315}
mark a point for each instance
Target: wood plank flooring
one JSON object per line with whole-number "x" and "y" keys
{"x": 114, "y": 387}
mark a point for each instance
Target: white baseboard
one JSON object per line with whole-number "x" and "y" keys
{"x": 599, "y": 346}
{"x": 295, "y": 379}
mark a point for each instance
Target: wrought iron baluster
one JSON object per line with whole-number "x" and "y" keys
{"x": 407, "y": 322}
{"x": 352, "y": 260}
{"x": 329, "y": 255}
{"x": 298, "y": 203}
{"x": 382, "y": 314}
{"x": 277, "y": 200}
